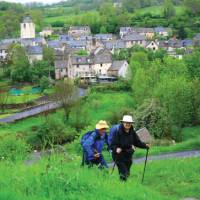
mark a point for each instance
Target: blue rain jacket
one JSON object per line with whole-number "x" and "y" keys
{"x": 94, "y": 144}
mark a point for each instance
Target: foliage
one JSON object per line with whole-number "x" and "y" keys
{"x": 152, "y": 116}
{"x": 39, "y": 69}
{"x": 20, "y": 67}
{"x": 65, "y": 94}
{"x": 51, "y": 132}
{"x": 169, "y": 10}
{"x": 44, "y": 83}
{"x": 13, "y": 148}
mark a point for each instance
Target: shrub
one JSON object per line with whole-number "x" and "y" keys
{"x": 51, "y": 132}
{"x": 13, "y": 148}
{"x": 152, "y": 116}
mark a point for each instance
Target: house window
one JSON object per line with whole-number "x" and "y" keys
{"x": 101, "y": 65}
{"x": 77, "y": 66}
{"x": 24, "y": 25}
{"x": 100, "y": 71}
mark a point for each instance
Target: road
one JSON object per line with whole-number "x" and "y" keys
{"x": 35, "y": 110}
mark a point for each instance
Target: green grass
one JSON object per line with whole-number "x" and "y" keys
{"x": 59, "y": 178}
{"x": 71, "y": 19}
{"x": 24, "y": 126}
{"x": 158, "y": 10}
{"x": 22, "y": 98}
{"x": 101, "y": 106}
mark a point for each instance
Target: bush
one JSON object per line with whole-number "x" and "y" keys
{"x": 13, "y": 148}
{"x": 120, "y": 85}
{"x": 51, "y": 132}
{"x": 152, "y": 116}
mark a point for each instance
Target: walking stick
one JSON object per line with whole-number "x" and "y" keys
{"x": 113, "y": 168}
{"x": 145, "y": 165}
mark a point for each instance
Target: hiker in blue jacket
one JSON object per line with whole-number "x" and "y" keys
{"x": 123, "y": 144}
{"x": 93, "y": 145}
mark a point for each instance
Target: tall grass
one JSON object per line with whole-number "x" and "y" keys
{"x": 58, "y": 178}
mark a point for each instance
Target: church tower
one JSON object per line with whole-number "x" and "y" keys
{"x": 27, "y": 28}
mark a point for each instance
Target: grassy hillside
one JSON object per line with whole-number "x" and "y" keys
{"x": 158, "y": 10}
{"x": 58, "y": 178}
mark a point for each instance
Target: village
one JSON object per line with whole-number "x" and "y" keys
{"x": 79, "y": 54}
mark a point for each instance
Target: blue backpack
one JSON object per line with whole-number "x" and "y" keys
{"x": 113, "y": 130}
{"x": 85, "y": 137}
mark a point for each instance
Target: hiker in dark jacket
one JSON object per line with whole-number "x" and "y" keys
{"x": 123, "y": 146}
{"x": 94, "y": 144}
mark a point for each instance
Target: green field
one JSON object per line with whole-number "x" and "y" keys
{"x": 158, "y": 10}
{"x": 72, "y": 19}
{"x": 59, "y": 178}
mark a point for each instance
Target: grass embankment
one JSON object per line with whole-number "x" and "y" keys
{"x": 55, "y": 178}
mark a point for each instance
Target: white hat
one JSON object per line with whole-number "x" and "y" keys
{"x": 127, "y": 118}
{"x": 101, "y": 124}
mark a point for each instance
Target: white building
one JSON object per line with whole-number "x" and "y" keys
{"x": 27, "y": 28}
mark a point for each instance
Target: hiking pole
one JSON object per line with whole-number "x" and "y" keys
{"x": 145, "y": 165}
{"x": 113, "y": 168}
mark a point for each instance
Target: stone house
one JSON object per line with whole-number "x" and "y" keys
{"x": 34, "y": 53}
{"x": 134, "y": 39}
{"x": 102, "y": 62}
{"x": 153, "y": 45}
{"x": 61, "y": 64}
{"x": 119, "y": 68}
{"x": 80, "y": 66}
{"x": 78, "y": 31}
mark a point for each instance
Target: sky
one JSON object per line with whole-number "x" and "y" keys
{"x": 28, "y": 1}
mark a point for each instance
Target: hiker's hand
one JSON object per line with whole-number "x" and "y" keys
{"x": 118, "y": 150}
{"x": 96, "y": 155}
{"x": 148, "y": 146}
{"x": 133, "y": 147}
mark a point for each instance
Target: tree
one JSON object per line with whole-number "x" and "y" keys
{"x": 44, "y": 82}
{"x": 193, "y": 6}
{"x": 65, "y": 94}
{"x": 3, "y": 99}
{"x": 169, "y": 10}
{"x": 20, "y": 67}
{"x": 103, "y": 29}
{"x": 131, "y": 5}
{"x": 48, "y": 55}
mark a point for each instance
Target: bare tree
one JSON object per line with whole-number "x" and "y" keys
{"x": 66, "y": 95}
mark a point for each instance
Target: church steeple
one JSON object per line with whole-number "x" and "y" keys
{"x": 27, "y": 28}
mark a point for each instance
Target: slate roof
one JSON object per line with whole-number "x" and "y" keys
{"x": 133, "y": 37}
{"x": 159, "y": 29}
{"x": 27, "y": 19}
{"x": 34, "y": 50}
{"x": 81, "y": 60}
{"x": 125, "y": 29}
{"x": 4, "y": 46}
{"x": 61, "y": 64}
{"x": 103, "y": 56}
{"x": 116, "y": 65}
{"x": 104, "y": 36}
{"x": 64, "y": 38}
{"x": 54, "y": 44}
{"x": 116, "y": 44}
{"x": 197, "y": 37}
{"x": 10, "y": 41}
{"x": 187, "y": 42}
{"x": 76, "y": 43}
{"x": 81, "y": 28}
{"x": 142, "y": 30}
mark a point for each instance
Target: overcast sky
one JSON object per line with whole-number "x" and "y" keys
{"x": 28, "y": 1}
